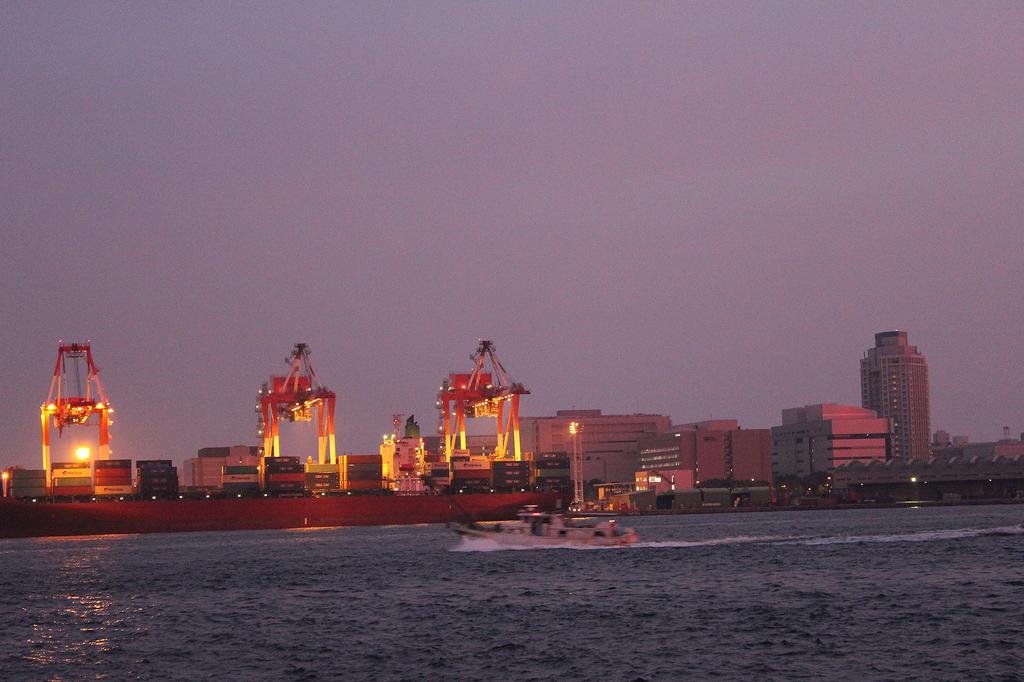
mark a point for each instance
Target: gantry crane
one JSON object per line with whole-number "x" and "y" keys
{"x": 72, "y": 402}
{"x": 481, "y": 393}
{"x": 295, "y": 398}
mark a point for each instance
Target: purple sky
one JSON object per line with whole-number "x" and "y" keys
{"x": 695, "y": 209}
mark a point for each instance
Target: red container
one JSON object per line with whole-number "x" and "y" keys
{"x": 274, "y": 477}
{"x": 363, "y": 485}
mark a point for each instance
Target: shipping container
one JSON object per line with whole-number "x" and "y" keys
{"x": 142, "y": 463}
{"x": 112, "y": 464}
{"x": 550, "y": 464}
{"x": 244, "y": 489}
{"x": 73, "y": 491}
{"x": 240, "y": 469}
{"x": 34, "y": 491}
{"x": 360, "y": 458}
{"x": 162, "y": 472}
{"x": 113, "y": 475}
{"x": 552, "y": 473}
{"x": 27, "y": 474}
{"x": 471, "y": 466}
{"x": 364, "y": 485}
{"x": 323, "y": 468}
{"x": 290, "y": 476}
{"x": 286, "y": 487}
{"x": 540, "y": 456}
{"x": 506, "y": 465}
{"x": 69, "y": 465}
{"x": 69, "y": 481}
{"x": 272, "y": 465}
{"x": 241, "y": 486}
{"x": 241, "y": 478}
{"x": 113, "y": 490}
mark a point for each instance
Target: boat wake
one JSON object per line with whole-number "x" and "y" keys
{"x": 919, "y": 536}
{"x": 487, "y": 545}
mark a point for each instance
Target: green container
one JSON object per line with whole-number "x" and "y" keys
{"x": 71, "y": 481}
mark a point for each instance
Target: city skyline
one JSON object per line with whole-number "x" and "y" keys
{"x": 300, "y": 439}
{"x": 697, "y": 210}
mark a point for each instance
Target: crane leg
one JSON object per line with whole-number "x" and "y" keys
{"x": 500, "y": 447}
{"x": 514, "y": 417}
{"x": 104, "y": 434}
{"x": 321, "y": 434}
{"x": 44, "y": 418}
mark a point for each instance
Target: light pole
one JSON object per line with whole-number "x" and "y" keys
{"x": 575, "y": 428}
{"x": 6, "y": 476}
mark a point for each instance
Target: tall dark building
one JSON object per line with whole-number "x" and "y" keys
{"x": 894, "y": 383}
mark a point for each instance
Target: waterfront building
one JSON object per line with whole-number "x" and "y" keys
{"x": 894, "y": 383}
{"x": 942, "y": 478}
{"x": 1007, "y": 447}
{"x": 817, "y": 438}
{"x": 686, "y": 454}
{"x": 609, "y": 442}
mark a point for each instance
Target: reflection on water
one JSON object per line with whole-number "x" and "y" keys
{"x": 73, "y": 624}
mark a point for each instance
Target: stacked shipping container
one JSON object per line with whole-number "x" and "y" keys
{"x": 323, "y": 478}
{"x": 156, "y": 478}
{"x": 112, "y": 477}
{"x": 471, "y": 474}
{"x": 240, "y": 479}
{"x": 361, "y": 472}
{"x": 550, "y": 472}
{"x": 70, "y": 479}
{"x": 283, "y": 476}
{"x": 510, "y": 475}
{"x": 28, "y": 483}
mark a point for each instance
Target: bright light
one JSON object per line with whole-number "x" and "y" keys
{"x": 99, "y": 406}
{"x": 82, "y": 453}
{"x": 6, "y": 475}
{"x": 51, "y": 407}
{"x": 913, "y": 479}
{"x": 574, "y": 428}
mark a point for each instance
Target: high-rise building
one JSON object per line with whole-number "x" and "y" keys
{"x": 894, "y": 383}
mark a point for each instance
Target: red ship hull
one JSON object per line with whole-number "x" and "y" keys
{"x": 27, "y": 519}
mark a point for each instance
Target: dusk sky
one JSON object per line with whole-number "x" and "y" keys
{"x": 694, "y": 209}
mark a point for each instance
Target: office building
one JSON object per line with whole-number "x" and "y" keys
{"x": 687, "y": 454}
{"x": 894, "y": 383}
{"x": 609, "y": 441}
{"x": 817, "y": 438}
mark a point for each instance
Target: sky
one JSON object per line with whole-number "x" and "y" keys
{"x": 694, "y": 209}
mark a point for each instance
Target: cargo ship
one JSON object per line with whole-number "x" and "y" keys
{"x": 21, "y": 518}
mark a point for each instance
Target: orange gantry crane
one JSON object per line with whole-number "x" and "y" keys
{"x": 296, "y": 398}
{"x": 481, "y": 393}
{"x": 74, "y": 398}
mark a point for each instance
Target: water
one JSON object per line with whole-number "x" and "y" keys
{"x": 878, "y": 594}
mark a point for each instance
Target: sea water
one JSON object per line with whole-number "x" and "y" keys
{"x": 872, "y": 594}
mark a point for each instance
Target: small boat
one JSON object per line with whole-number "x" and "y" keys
{"x": 536, "y": 528}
